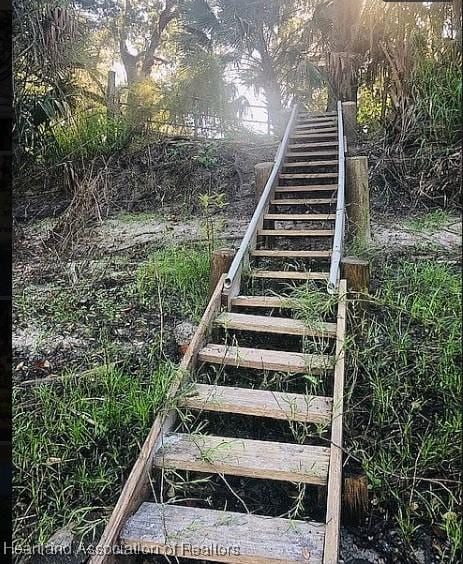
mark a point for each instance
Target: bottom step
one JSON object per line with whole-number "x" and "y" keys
{"x": 222, "y": 536}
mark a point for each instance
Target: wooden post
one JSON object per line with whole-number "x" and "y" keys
{"x": 358, "y": 199}
{"x": 111, "y": 95}
{"x": 357, "y": 273}
{"x": 349, "y": 114}
{"x": 220, "y": 263}
{"x": 355, "y": 503}
{"x": 262, "y": 171}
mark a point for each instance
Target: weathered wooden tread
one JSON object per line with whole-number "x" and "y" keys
{"x": 247, "y": 539}
{"x": 301, "y": 216}
{"x": 299, "y": 201}
{"x": 310, "y": 164}
{"x": 289, "y": 275}
{"x": 295, "y": 232}
{"x": 266, "y": 460}
{"x": 275, "y": 325}
{"x": 317, "y": 114}
{"x": 312, "y": 154}
{"x": 264, "y": 301}
{"x": 290, "y": 176}
{"x": 259, "y": 403}
{"x": 290, "y": 254}
{"x": 309, "y": 188}
{"x": 304, "y": 124}
{"x": 312, "y": 145}
{"x": 265, "y": 359}
{"x": 310, "y": 129}
{"x": 313, "y": 135}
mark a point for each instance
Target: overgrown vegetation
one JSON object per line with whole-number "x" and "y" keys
{"x": 404, "y": 414}
{"x": 175, "y": 279}
{"x": 71, "y": 441}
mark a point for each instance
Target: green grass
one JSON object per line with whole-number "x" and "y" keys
{"x": 73, "y": 440}
{"x": 86, "y": 136}
{"x": 404, "y": 417}
{"x": 175, "y": 279}
{"x": 431, "y": 221}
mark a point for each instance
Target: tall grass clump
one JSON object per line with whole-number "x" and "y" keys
{"x": 437, "y": 95}
{"x": 404, "y": 421}
{"x": 74, "y": 444}
{"x": 177, "y": 277}
{"x": 86, "y": 136}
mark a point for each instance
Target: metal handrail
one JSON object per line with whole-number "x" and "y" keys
{"x": 338, "y": 240}
{"x": 250, "y": 231}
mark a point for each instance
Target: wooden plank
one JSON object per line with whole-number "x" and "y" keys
{"x": 296, "y": 232}
{"x": 333, "y": 512}
{"x": 301, "y": 124}
{"x": 313, "y": 135}
{"x": 275, "y": 325}
{"x": 309, "y": 188}
{"x": 310, "y": 163}
{"x": 266, "y": 460}
{"x": 299, "y": 201}
{"x": 259, "y": 403}
{"x": 290, "y": 254}
{"x": 264, "y": 359}
{"x": 317, "y": 114}
{"x": 138, "y": 482}
{"x": 263, "y": 301}
{"x": 312, "y": 145}
{"x": 307, "y": 129}
{"x": 289, "y": 275}
{"x": 301, "y": 216}
{"x": 311, "y": 153}
{"x": 308, "y": 175}
{"x": 247, "y": 539}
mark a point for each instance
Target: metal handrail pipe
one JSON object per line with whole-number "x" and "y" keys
{"x": 338, "y": 240}
{"x": 235, "y": 265}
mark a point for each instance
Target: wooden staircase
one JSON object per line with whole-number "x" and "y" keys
{"x": 292, "y": 246}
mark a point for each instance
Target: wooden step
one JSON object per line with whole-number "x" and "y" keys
{"x": 317, "y": 114}
{"x": 310, "y": 164}
{"x": 311, "y": 154}
{"x": 313, "y": 135}
{"x": 312, "y": 145}
{"x": 266, "y": 460}
{"x": 295, "y": 232}
{"x": 290, "y": 254}
{"x": 328, "y": 122}
{"x": 275, "y": 325}
{"x": 259, "y": 403}
{"x": 299, "y": 201}
{"x": 307, "y": 129}
{"x": 308, "y": 188}
{"x": 264, "y": 359}
{"x": 307, "y": 176}
{"x": 289, "y": 275}
{"x": 200, "y": 534}
{"x": 301, "y": 216}
{"x": 264, "y": 301}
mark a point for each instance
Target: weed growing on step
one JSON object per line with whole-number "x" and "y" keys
{"x": 71, "y": 441}
{"x": 404, "y": 415}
